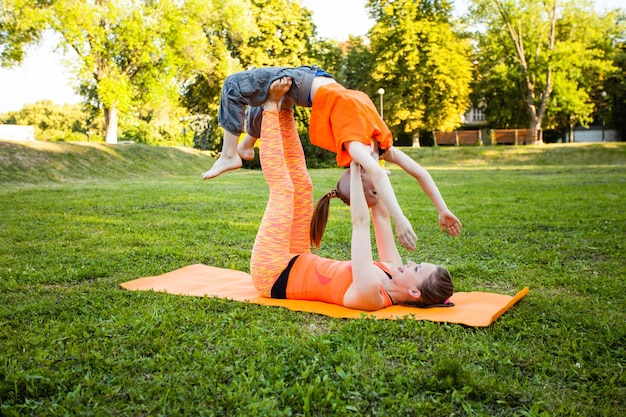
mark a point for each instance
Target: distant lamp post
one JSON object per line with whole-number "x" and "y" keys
{"x": 381, "y": 91}
{"x": 603, "y": 112}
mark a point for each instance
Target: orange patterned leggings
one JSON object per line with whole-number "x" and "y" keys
{"x": 284, "y": 230}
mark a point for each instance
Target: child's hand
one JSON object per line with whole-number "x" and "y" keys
{"x": 406, "y": 235}
{"x": 449, "y": 222}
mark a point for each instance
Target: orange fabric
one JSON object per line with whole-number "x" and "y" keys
{"x": 332, "y": 279}
{"x": 340, "y": 115}
{"x": 476, "y": 309}
{"x": 284, "y": 229}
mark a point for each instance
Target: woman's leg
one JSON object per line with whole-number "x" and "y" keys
{"x": 303, "y": 187}
{"x": 270, "y": 253}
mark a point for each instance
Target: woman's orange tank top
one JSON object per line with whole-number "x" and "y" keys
{"x": 320, "y": 279}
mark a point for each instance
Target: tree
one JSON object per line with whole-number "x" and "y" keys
{"x": 586, "y": 46}
{"x": 282, "y": 36}
{"x": 132, "y": 54}
{"x": 421, "y": 62}
{"x": 285, "y": 31}
{"x": 612, "y": 107}
{"x": 544, "y": 56}
{"x": 357, "y": 65}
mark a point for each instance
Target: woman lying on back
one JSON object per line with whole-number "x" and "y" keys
{"x": 282, "y": 265}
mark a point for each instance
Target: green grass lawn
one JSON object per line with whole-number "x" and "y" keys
{"x": 78, "y": 220}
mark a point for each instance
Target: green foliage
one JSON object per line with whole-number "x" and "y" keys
{"x": 421, "y": 62}
{"x": 283, "y": 38}
{"x": 74, "y": 343}
{"x": 132, "y": 56}
{"x": 547, "y": 59}
{"x": 591, "y": 39}
{"x": 52, "y": 122}
{"x": 154, "y": 65}
{"x": 613, "y": 107}
{"x": 357, "y": 66}
{"x": 20, "y": 25}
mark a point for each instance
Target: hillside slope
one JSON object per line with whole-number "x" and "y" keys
{"x": 39, "y": 162}
{"x": 36, "y": 162}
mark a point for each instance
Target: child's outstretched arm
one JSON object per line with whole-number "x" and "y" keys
{"x": 447, "y": 220}
{"x": 360, "y": 153}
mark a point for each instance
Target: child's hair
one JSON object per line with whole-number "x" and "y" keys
{"x": 342, "y": 191}
{"x": 435, "y": 290}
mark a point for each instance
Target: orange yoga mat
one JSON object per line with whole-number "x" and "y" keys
{"x": 476, "y": 309}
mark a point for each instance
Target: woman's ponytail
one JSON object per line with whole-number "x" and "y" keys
{"x": 342, "y": 192}
{"x": 320, "y": 218}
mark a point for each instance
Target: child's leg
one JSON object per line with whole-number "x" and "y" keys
{"x": 246, "y": 147}
{"x": 270, "y": 253}
{"x": 303, "y": 187}
{"x": 229, "y": 157}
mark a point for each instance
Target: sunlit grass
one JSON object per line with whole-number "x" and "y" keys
{"x": 72, "y": 342}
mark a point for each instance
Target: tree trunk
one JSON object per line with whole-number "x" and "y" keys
{"x": 416, "y": 139}
{"x": 535, "y": 128}
{"x": 111, "y": 119}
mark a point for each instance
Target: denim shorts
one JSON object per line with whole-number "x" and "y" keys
{"x": 250, "y": 88}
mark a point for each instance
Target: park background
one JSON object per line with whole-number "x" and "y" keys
{"x": 80, "y": 217}
{"x": 442, "y": 66}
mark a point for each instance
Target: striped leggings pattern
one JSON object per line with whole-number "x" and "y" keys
{"x": 284, "y": 230}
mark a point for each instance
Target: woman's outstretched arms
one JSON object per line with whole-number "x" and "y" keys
{"x": 364, "y": 293}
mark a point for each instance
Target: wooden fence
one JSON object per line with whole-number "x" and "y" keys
{"x": 474, "y": 137}
{"x": 514, "y": 136}
{"x": 458, "y": 137}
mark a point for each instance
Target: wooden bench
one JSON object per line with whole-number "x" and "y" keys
{"x": 514, "y": 136}
{"x": 458, "y": 137}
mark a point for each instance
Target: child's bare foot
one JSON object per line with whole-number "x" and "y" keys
{"x": 224, "y": 163}
{"x": 277, "y": 90}
{"x": 246, "y": 148}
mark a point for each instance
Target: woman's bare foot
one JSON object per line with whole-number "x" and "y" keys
{"x": 246, "y": 148}
{"x": 277, "y": 90}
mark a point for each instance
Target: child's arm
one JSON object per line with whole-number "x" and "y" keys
{"x": 360, "y": 153}
{"x": 447, "y": 220}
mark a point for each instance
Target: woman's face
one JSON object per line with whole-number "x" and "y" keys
{"x": 412, "y": 275}
{"x": 343, "y": 186}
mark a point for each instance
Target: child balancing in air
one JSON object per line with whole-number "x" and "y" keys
{"x": 342, "y": 121}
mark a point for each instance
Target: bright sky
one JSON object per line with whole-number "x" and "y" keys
{"x": 42, "y": 75}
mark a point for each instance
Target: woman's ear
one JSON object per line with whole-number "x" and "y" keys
{"x": 415, "y": 293}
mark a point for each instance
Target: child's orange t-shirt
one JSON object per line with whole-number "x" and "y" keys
{"x": 340, "y": 115}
